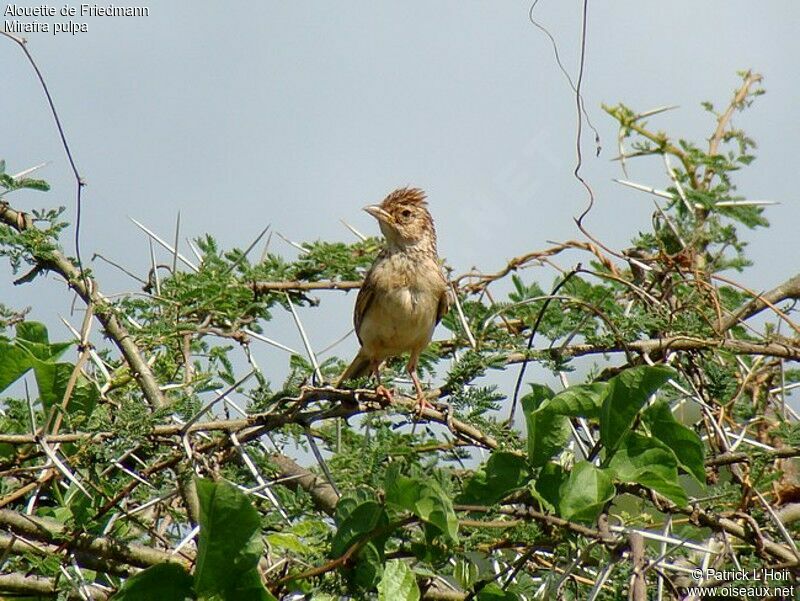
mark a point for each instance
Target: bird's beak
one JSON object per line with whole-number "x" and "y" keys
{"x": 378, "y": 213}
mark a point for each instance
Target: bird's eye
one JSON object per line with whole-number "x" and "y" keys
{"x": 406, "y": 213}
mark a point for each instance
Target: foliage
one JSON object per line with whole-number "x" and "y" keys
{"x": 228, "y": 551}
{"x": 225, "y": 481}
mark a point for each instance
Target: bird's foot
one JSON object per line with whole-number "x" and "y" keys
{"x": 384, "y": 392}
{"x": 422, "y": 405}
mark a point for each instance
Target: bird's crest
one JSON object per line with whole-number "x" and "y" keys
{"x": 412, "y": 196}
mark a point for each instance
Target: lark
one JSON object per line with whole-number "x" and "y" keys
{"x": 404, "y": 294}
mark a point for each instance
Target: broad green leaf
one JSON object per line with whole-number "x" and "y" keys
{"x": 44, "y": 352}
{"x": 682, "y": 441}
{"x": 398, "y": 583}
{"x": 502, "y": 473}
{"x": 627, "y": 394}
{"x": 248, "y": 587}
{"x": 401, "y": 490}
{"x": 645, "y": 460}
{"x": 424, "y": 498}
{"x": 364, "y": 518}
{"x": 584, "y": 493}
{"x": 14, "y": 363}
{"x": 583, "y": 400}
{"x": 33, "y": 331}
{"x": 230, "y": 541}
{"x": 369, "y": 569}
{"x": 32, "y": 336}
{"x": 21, "y": 354}
{"x": 52, "y": 380}
{"x": 547, "y": 485}
{"x": 548, "y": 432}
{"x": 346, "y": 505}
{"x": 163, "y": 581}
{"x": 350, "y": 500}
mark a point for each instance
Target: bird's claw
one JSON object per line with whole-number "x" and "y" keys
{"x": 421, "y": 405}
{"x": 384, "y": 392}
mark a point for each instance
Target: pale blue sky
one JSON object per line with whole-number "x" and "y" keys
{"x": 297, "y": 114}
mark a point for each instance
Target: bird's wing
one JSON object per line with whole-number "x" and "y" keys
{"x": 444, "y": 304}
{"x": 363, "y": 301}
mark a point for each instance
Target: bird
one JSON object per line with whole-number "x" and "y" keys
{"x": 404, "y": 294}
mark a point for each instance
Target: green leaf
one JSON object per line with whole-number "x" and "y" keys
{"x": 584, "y": 400}
{"x": 52, "y": 380}
{"x": 583, "y": 495}
{"x": 424, "y": 498}
{"x": 288, "y": 541}
{"x": 466, "y": 573}
{"x": 32, "y": 336}
{"x": 369, "y": 569}
{"x": 14, "y": 363}
{"x": 32, "y": 184}
{"x": 230, "y": 542}
{"x": 548, "y": 432}
{"x": 364, "y": 518}
{"x": 33, "y": 331}
{"x": 357, "y": 520}
{"x": 644, "y": 460}
{"x": 29, "y": 347}
{"x": 502, "y": 473}
{"x": 163, "y": 581}
{"x": 398, "y": 583}
{"x": 248, "y": 587}
{"x": 682, "y": 441}
{"x": 547, "y": 485}
{"x": 627, "y": 394}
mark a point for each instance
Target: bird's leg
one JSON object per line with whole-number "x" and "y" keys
{"x": 422, "y": 401}
{"x": 381, "y": 390}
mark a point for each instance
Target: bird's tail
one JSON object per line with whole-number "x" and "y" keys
{"x": 360, "y": 366}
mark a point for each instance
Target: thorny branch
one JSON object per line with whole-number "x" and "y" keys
{"x": 87, "y": 289}
{"x": 213, "y": 444}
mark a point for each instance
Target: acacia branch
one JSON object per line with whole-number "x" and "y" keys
{"x": 660, "y": 139}
{"x": 790, "y": 289}
{"x": 483, "y": 279}
{"x": 785, "y": 350}
{"x": 13, "y": 543}
{"x": 40, "y": 585}
{"x": 51, "y": 531}
{"x": 297, "y": 285}
{"x": 323, "y": 494}
{"x": 739, "y": 98}
{"x": 87, "y": 289}
{"x": 717, "y": 523}
{"x": 537, "y": 516}
{"x": 638, "y": 590}
{"x": 348, "y": 404}
{"x": 739, "y": 457}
